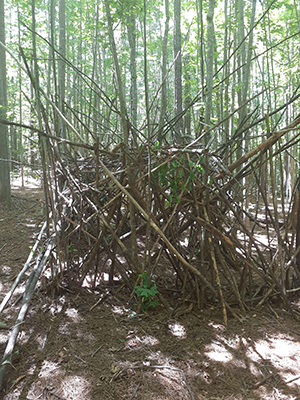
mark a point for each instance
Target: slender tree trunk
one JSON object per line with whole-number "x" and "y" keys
{"x": 209, "y": 64}
{"x": 36, "y": 88}
{"x": 241, "y": 60}
{"x": 146, "y": 70}
{"x": 164, "y": 58}
{"x": 131, "y": 32}
{"x": 20, "y": 107}
{"x": 245, "y": 88}
{"x": 93, "y": 102}
{"x": 225, "y": 106}
{"x": 202, "y": 61}
{"x": 187, "y": 98}
{"x": 118, "y": 74}
{"x": 61, "y": 64}
{"x": 246, "y": 67}
{"x": 177, "y": 69}
{"x": 4, "y": 165}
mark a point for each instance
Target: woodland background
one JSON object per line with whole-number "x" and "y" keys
{"x": 174, "y": 71}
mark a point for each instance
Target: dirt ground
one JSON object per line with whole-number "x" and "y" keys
{"x": 84, "y": 345}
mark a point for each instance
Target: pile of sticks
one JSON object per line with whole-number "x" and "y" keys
{"x": 183, "y": 215}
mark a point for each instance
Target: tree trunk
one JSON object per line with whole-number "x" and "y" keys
{"x": 4, "y": 165}
{"x": 61, "y": 64}
{"x": 200, "y": 47}
{"x": 177, "y": 69}
{"x": 118, "y": 74}
{"x": 20, "y": 106}
{"x": 187, "y": 98}
{"x": 133, "y": 71}
{"x": 164, "y": 58}
{"x": 209, "y": 63}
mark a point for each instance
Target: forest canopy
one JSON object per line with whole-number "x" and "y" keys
{"x": 216, "y": 66}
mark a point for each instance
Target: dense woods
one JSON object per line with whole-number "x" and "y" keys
{"x": 173, "y": 71}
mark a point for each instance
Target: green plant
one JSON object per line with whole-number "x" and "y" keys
{"x": 147, "y": 291}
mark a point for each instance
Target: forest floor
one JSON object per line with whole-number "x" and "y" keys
{"x": 70, "y": 350}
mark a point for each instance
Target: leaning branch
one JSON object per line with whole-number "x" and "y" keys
{"x": 263, "y": 146}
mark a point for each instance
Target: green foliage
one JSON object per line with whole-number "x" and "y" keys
{"x": 178, "y": 176}
{"x": 147, "y": 291}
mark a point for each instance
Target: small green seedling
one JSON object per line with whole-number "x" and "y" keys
{"x": 147, "y": 291}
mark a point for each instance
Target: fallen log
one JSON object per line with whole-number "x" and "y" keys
{"x": 24, "y": 269}
{"x": 32, "y": 281}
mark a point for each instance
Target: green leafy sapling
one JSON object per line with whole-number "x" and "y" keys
{"x": 147, "y": 291}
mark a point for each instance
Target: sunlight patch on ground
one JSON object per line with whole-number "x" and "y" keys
{"x": 64, "y": 328}
{"x": 170, "y": 378}
{"x": 217, "y": 352}
{"x": 29, "y": 224}
{"x": 177, "y": 330}
{"x": 41, "y": 341}
{"x": 120, "y": 310}
{"x": 105, "y": 278}
{"x": 184, "y": 242}
{"x": 90, "y": 280}
{"x": 24, "y": 336}
{"x": 140, "y": 243}
{"x": 73, "y": 314}
{"x": 275, "y": 394}
{"x": 3, "y": 338}
{"x": 29, "y": 182}
{"x": 159, "y": 358}
{"x": 263, "y": 239}
{"x": 19, "y": 290}
{"x": 283, "y": 354}
{"x": 49, "y": 368}
{"x": 56, "y": 307}
{"x": 76, "y": 388}
{"x": 5, "y": 269}
{"x": 121, "y": 259}
{"x": 137, "y": 342}
{"x": 31, "y": 370}
{"x": 218, "y": 327}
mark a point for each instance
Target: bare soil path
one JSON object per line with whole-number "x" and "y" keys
{"x": 70, "y": 349}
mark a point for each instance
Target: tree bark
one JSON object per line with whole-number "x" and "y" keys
{"x": 164, "y": 58}
{"x": 177, "y": 69}
{"x": 131, "y": 32}
{"x": 118, "y": 74}
{"x": 62, "y": 65}
{"x": 4, "y": 165}
{"x": 209, "y": 64}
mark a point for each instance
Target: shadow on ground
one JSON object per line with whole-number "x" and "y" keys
{"x": 66, "y": 351}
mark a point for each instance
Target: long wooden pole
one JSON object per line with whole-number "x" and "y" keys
{"x": 32, "y": 281}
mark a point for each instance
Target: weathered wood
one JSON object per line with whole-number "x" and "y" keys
{"x": 32, "y": 281}
{"x": 261, "y": 147}
{"x": 24, "y": 269}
